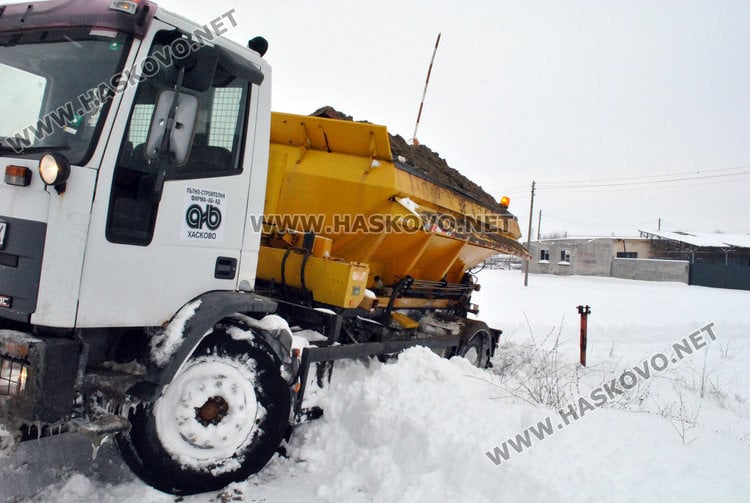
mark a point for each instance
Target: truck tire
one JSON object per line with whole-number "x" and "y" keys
{"x": 476, "y": 349}
{"x": 220, "y": 420}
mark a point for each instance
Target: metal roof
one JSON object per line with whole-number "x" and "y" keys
{"x": 704, "y": 239}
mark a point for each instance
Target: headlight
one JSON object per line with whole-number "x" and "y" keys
{"x": 54, "y": 169}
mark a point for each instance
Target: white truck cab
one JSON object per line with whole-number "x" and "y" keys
{"x": 133, "y": 145}
{"x": 75, "y": 94}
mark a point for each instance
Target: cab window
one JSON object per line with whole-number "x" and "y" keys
{"x": 216, "y": 151}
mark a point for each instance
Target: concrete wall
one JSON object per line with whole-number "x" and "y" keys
{"x": 590, "y": 257}
{"x": 651, "y": 269}
{"x": 597, "y": 257}
{"x": 640, "y": 246}
{"x": 593, "y": 257}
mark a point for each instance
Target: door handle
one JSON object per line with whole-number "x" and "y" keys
{"x": 226, "y": 268}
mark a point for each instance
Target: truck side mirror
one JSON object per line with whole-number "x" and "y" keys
{"x": 181, "y": 134}
{"x": 200, "y": 68}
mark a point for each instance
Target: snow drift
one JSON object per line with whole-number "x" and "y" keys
{"x": 420, "y": 428}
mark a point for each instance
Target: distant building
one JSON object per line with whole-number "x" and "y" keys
{"x": 707, "y": 259}
{"x": 718, "y": 260}
{"x": 622, "y": 257}
{"x": 585, "y": 256}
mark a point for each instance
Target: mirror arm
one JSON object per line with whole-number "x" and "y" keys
{"x": 163, "y": 162}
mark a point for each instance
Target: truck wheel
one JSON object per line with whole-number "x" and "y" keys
{"x": 476, "y": 349}
{"x": 220, "y": 420}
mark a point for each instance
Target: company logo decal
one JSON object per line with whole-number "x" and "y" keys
{"x": 203, "y": 215}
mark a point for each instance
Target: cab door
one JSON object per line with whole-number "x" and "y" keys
{"x": 149, "y": 254}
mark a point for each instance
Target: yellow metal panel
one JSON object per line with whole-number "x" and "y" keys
{"x": 322, "y": 247}
{"x": 413, "y": 303}
{"x": 331, "y": 135}
{"x": 321, "y": 179}
{"x": 403, "y": 321}
{"x": 335, "y": 282}
{"x": 277, "y": 162}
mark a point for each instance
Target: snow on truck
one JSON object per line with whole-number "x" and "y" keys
{"x": 168, "y": 279}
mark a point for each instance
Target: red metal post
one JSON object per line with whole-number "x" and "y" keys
{"x": 584, "y": 311}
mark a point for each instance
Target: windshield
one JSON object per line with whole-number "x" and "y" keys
{"x": 56, "y": 89}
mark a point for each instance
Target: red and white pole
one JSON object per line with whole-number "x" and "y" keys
{"x": 424, "y": 93}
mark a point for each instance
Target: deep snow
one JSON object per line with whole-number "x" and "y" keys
{"x": 419, "y": 429}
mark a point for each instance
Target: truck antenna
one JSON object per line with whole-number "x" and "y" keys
{"x": 424, "y": 93}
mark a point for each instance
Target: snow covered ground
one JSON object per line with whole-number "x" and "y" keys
{"x": 644, "y": 421}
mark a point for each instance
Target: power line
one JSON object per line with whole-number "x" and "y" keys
{"x": 666, "y": 185}
{"x": 555, "y": 218}
{"x": 584, "y": 185}
{"x": 684, "y": 176}
{"x": 648, "y": 179}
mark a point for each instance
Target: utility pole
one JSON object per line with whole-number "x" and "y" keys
{"x": 528, "y": 236}
{"x": 658, "y": 225}
{"x": 539, "y": 227}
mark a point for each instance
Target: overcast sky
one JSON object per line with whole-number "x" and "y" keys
{"x": 585, "y": 97}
